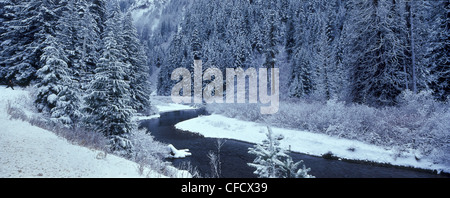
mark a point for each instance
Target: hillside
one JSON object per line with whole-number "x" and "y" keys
{"x": 29, "y": 151}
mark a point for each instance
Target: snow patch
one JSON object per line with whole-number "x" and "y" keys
{"x": 172, "y": 107}
{"x": 140, "y": 118}
{"x": 52, "y": 98}
{"x": 182, "y": 153}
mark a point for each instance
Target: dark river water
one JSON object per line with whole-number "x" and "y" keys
{"x": 234, "y": 154}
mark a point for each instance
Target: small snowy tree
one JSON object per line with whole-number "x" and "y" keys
{"x": 290, "y": 169}
{"x": 269, "y": 155}
{"x": 274, "y": 162}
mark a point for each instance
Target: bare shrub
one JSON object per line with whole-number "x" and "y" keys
{"x": 15, "y": 113}
{"x": 21, "y": 109}
{"x": 147, "y": 152}
{"x": 193, "y": 170}
{"x": 215, "y": 161}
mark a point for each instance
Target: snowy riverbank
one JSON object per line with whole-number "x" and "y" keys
{"x": 164, "y": 104}
{"x": 29, "y": 151}
{"x": 218, "y": 126}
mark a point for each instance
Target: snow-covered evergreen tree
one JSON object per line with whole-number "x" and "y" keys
{"x": 274, "y": 162}
{"x": 98, "y": 8}
{"x": 139, "y": 71}
{"x": 7, "y": 13}
{"x": 67, "y": 110}
{"x": 268, "y": 156}
{"x": 67, "y": 34}
{"x": 303, "y": 53}
{"x": 271, "y": 31}
{"x": 52, "y": 76}
{"x": 108, "y": 101}
{"x": 175, "y": 57}
{"x": 377, "y": 53}
{"x": 301, "y": 84}
{"x": 196, "y": 45}
{"x": 437, "y": 56}
{"x": 89, "y": 42}
{"x": 30, "y": 23}
{"x": 257, "y": 38}
{"x": 291, "y": 169}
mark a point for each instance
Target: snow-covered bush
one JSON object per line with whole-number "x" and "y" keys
{"x": 144, "y": 145}
{"x": 22, "y": 108}
{"x": 15, "y": 113}
{"x": 433, "y": 137}
{"x": 427, "y": 124}
{"x": 147, "y": 152}
{"x": 250, "y": 112}
{"x": 150, "y": 155}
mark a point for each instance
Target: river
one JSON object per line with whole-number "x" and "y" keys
{"x": 234, "y": 154}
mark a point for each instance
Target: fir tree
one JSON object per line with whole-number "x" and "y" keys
{"x": 438, "y": 45}
{"x": 90, "y": 43}
{"x": 274, "y": 162}
{"x": 53, "y": 76}
{"x": 377, "y": 53}
{"x": 301, "y": 84}
{"x": 31, "y": 21}
{"x": 139, "y": 71}
{"x": 7, "y": 13}
{"x": 165, "y": 83}
{"x": 291, "y": 169}
{"x": 268, "y": 156}
{"x": 196, "y": 45}
{"x": 67, "y": 34}
{"x": 271, "y": 23}
{"x": 108, "y": 100}
{"x": 99, "y": 10}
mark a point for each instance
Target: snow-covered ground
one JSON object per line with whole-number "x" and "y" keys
{"x": 218, "y": 126}
{"x": 172, "y": 107}
{"x": 164, "y": 104}
{"x": 29, "y": 151}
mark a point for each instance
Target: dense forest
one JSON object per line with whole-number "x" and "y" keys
{"x": 84, "y": 59}
{"x": 366, "y": 52}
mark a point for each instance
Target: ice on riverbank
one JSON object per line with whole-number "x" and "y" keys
{"x": 172, "y": 107}
{"x": 163, "y": 104}
{"x": 218, "y": 126}
{"x": 182, "y": 153}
